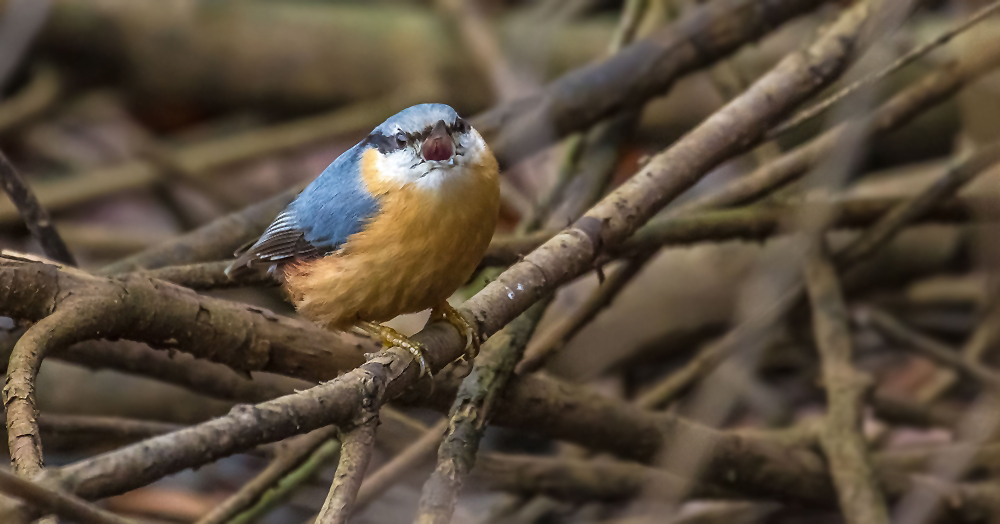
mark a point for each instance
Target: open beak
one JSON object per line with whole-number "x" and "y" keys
{"x": 438, "y": 145}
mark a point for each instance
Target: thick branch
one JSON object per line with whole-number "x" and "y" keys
{"x": 76, "y": 320}
{"x": 567, "y": 255}
{"x": 166, "y": 316}
{"x": 639, "y": 72}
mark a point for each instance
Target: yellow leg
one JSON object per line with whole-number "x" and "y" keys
{"x": 444, "y": 311}
{"x": 392, "y": 338}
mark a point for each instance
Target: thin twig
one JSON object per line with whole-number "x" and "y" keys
{"x": 214, "y": 241}
{"x": 842, "y": 440}
{"x": 206, "y": 158}
{"x": 898, "y": 64}
{"x": 356, "y": 451}
{"x": 35, "y": 218}
{"x": 863, "y": 247}
{"x": 942, "y": 189}
{"x": 982, "y": 339}
{"x": 549, "y": 342}
{"x": 107, "y": 427}
{"x": 291, "y": 482}
{"x": 61, "y": 504}
{"x": 32, "y": 100}
{"x": 565, "y": 257}
{"x": 291, "y": 456}
{"x": 892, "y": 114}
{"x": 470, "y": 415}
{"x": 599, "y": 150}
{"x": 937, "y": 351}
{"x": 390, "y": 473}
{"x": 479, "y": 37}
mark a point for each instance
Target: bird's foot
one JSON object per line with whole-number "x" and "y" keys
{"x": 444, "y": 311}
{"x": 392, "y": 338}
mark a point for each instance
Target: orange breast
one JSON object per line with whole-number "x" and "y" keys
{"x": 413, "y": 255}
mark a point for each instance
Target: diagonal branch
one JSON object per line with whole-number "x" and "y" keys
{"x": 61, "y": 504}
{"x": 470, "y": 414}
{"x": 390, "y": 473}
{"x": 356, "y": 452}
{"x": 569, "y": 254}
{"x": 288, "y": 459}
{"x": 35, "y": 218}
{"x": 902, "y": 108}
{"x": 638, "y": 73}
{"x": 896, "y": 65}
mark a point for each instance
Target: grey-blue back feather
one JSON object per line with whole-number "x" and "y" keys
{"x": 336, "y": 205}
{"x": 328, "y": 211}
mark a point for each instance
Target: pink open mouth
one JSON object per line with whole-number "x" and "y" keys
{"x": 438, "y": 148}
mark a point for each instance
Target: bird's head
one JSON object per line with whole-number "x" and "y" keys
{"x": 429, "y": 146}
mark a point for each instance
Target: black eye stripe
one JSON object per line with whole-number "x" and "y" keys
{"x": 389, "y": 144}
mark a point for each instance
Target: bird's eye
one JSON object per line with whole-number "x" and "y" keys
{"x": 461, "y": 126}
{"x": 400, "y": 139}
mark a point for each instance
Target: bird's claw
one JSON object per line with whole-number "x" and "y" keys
{"x": 392, "y": 338}
{"x": 452, "y": 316}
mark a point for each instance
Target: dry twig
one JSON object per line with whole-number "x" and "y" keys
{"x": 893, "y": 114}
{"x": 61, "y": 504}
{"x": 356, "y": 451}
{"x": 289, "y": 458}
{"x": 567, "y": 255}
{"x": 381, "y": 479}
{"x": 33, "y": 214}
{"x": 843, "y": 443}
{"x": 898, "y": 64}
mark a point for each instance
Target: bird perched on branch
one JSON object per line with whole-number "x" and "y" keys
{"x": 394, "y": 225}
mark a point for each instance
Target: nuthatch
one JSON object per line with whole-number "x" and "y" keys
{"x": 394, "y": 225}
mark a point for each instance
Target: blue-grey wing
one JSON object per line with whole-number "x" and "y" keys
{"x": 332, "y": 208}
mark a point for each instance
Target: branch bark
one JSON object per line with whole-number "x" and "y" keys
{"x": 61, "y": 504}
{"x": 892, "y": 114}
{"x": 843, "y": 443}
{"x": 638, "y": 73}
{"x": 567, "y": 255}
{"x": 290, "y": 457}
{"x": 471, "y": 413}
{"x": 166, "y": 316}
{"x": 357, "y": 445}
{"x": 35, "y": 218}
{"x": 390, "y": 473}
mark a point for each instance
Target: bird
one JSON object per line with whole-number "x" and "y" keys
{"x": 394, "y": 225}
